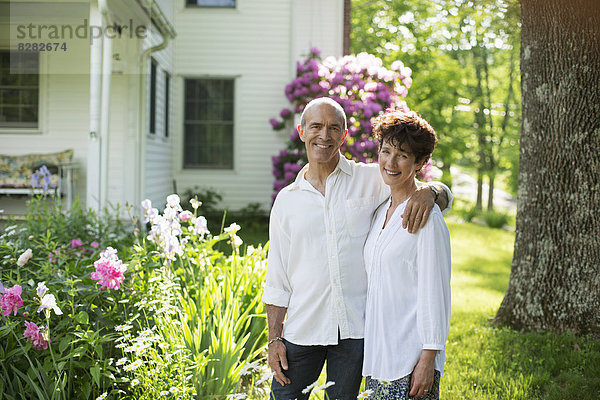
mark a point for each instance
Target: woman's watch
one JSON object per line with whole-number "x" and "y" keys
{"x": 436, "y": 192}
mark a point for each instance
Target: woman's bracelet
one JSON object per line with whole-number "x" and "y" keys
{"x": 278, "y": 338}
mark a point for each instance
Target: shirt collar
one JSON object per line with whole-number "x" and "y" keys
{"x": 343, "y": 165}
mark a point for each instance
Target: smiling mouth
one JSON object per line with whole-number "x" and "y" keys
{"x": 322, "y": 146}
{"x": 387, "y": 171}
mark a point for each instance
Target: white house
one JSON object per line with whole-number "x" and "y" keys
{"x": 157, "y": 94}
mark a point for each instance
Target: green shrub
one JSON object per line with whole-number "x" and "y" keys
{"x": 73, "y": 360}
{"x": 495, "y": 219}
{"x": 186, "y": 320}
{"x": 465, "y": 211}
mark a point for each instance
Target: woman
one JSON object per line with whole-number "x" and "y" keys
{"x": 408, "y": 297}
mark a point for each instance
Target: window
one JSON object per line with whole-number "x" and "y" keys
{"x": 208, "y": 123}
{"x": 167, "y": 97}
{"x": 19, "y": 92}
{"x": 152, "y": 96}
{"x": 210, "y": 3}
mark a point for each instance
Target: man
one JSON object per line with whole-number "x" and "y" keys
{"x": 315, "y": 270}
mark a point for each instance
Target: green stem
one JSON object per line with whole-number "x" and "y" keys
{"x": 50, "y": 345}
{"x": 21, "y": 345}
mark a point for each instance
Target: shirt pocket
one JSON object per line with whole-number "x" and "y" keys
{"x": 358, "y": 215}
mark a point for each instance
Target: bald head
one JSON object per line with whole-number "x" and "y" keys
{"x": 321, "y": 101}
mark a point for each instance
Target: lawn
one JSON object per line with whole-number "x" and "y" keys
{"x": 484, "y": 362}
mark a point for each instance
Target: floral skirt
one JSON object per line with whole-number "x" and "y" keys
{"x": 399, "y": 389}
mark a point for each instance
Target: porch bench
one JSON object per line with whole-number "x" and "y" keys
{"x": 16, "y": 172}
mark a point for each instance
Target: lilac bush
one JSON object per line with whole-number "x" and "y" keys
{"x": 361, "y": 85}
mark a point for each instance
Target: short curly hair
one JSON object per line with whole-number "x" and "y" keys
{"x": 397, "y": 128}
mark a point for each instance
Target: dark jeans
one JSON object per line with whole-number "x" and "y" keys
{"x": 344, "y": 367}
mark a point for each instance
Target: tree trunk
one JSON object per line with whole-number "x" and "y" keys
{"x": 555, "y": 277}
{"x": 479, "y": 200}
{"x": 490, "y": 203}
{"x": 347, "y": 27}
{"x": 480, "y": 122}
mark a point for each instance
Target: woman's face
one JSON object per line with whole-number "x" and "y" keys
{"x": 397, "y": 165}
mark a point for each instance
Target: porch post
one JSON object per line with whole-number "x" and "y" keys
{"x": 93, "y": 156}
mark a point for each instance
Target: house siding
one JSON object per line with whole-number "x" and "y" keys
{"x": 63, "y": 122}
{"x": 257, "y": 43}
{"x": 158, "y": 168}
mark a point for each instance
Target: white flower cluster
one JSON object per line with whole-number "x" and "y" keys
{"x": 166, "y": 229}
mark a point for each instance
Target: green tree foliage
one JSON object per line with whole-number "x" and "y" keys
{"x": 464, "y": 56}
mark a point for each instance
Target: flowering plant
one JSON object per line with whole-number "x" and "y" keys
{"x": 109, "y": 269}
{"x": 56, "y": 329}
{"x": 362, "y": 86}
{"x": 10, "y": 300}
{"x": 42, "y": 178}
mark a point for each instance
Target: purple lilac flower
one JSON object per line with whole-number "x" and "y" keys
{"x": 274, "y": 123}
{"x": 284, "y": 113}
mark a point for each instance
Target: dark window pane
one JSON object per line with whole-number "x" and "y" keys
{"x": 152, "y": 96}
{"x": 10, "y": 114}
{"x": 19, "y": 90}
{"x": 228, "y": 89}
{"x": 29, "y": 114}
{"x": 208, "y": 123}
{"x": 211, "y": 3}
{"x": 167, "y": 99}
{"x": 228, "y": 111}
{"x": 10, "y": 96}
{"x": 29, "y": 96}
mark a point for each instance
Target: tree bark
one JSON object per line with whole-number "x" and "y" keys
{"x": 555, "y": 277}
{"x": 479, "y": 198}
{"x": 490, "y": 201}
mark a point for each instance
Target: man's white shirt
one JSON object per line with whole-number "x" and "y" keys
{"x": 315, "y": 265}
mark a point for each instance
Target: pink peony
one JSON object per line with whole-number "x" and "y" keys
{"x": 76, "y": 243}
{"x": 35, "y": 335}
{"x": 10, "y": 300}
{"x": 94, "y": 244}
{"x": 109, "y": 272}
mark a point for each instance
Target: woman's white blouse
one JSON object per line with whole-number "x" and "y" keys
{"x": 408, "y": 295}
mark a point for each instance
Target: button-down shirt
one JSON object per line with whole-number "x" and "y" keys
{"x": 408, "y": 296}
{"x": 315, "y": 266}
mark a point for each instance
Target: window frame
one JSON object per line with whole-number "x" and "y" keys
{"x": 41, "y": 92}
{"x": 185, "y": 164}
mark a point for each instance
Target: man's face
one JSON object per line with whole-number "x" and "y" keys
{"x": 323, "y": 134}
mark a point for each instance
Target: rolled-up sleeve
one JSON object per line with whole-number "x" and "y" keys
{"x": 277, "y": 289}
{"x": 433, "y": 293}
